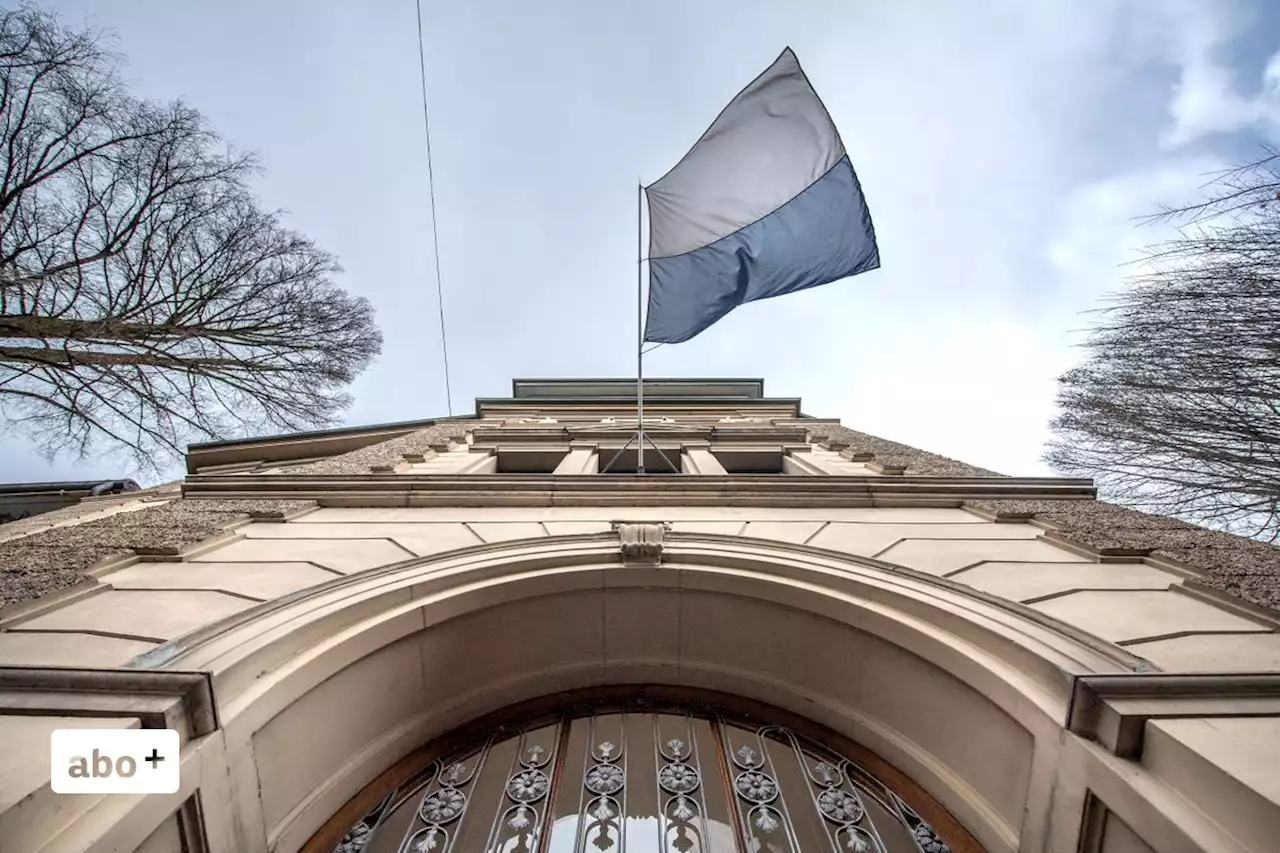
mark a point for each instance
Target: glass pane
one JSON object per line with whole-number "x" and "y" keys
{"x": 489, "y": 776}
{"x": 642, "y": 831}
{"x": 790, "y": 766}
{"x": 390, "y": 831}
{"x": 360, "y": 836}
{"x": 895, "y": 836}
{"x": 720, "y": 831}
{"x": 568, "y": 794}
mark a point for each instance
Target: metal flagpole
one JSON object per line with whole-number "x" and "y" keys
{"x": 639, "y": 328}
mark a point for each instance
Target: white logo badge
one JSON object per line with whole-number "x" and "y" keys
{"x": 114, "y": 761}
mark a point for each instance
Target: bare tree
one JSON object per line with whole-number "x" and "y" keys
{"x": 1176, "y": 406}
{"x": 146, "y": 299}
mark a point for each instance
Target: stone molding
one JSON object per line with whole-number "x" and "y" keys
{"x": 952, "y": 605}
{"x": 183, "y": 701}
{"x": 1114, "y": 709}
{"x": 597, "y": 490}
{"x": 797, "y": 462}
{"x": 622, "y": 430}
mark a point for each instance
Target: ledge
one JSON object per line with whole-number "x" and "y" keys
{"x": 375, "y": 490}
{"x": 159, "y": 700}
{"x": 625, "y": 431}
{"x": 1114, "y": 709}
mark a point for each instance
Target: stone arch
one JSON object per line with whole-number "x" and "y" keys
{"x": 320, "y": 692}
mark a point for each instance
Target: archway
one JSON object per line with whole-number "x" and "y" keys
{"x": 321, "y": 692}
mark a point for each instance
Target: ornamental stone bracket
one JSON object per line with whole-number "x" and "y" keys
{"x": 641, "y": 541}
{"x": 845, "y": 450}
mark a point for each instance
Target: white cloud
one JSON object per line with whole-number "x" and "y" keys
{"x": 1004, "y": 147}
{"x": 1097, "y": 239}
{"x": 1207, "y": 98}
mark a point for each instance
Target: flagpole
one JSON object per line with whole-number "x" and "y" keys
{"x": 639, "y": 327}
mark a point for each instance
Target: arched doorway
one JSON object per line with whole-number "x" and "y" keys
{"x": 321, "y": 692}
{"x": 657, "y": 770}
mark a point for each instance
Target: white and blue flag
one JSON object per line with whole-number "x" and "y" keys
{"x": 765, "y": 203}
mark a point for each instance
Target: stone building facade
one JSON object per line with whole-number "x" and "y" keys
{"x": 489, "y": 633}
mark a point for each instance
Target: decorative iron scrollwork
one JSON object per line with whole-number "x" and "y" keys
{"x": 840, "y": 806}
{"x": 605, "y": 784}
{"x": 528, "y": 786}
{"x": 685, "y": 810}
{"x": 528, "y": 789}
{"x": 678, "y": 778}
{"x": 442, "y": 806}
{"x": 605, "y": 779}
{"x": 759, "y": 775}
{"x": 756, "y": 787}
{"x": 923, "y": 833}
{"x": 359, "y": 835}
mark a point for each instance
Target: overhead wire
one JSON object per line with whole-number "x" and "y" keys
{"x": 435, "y": 235}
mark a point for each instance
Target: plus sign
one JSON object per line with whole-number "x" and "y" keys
{"x": 155, "y": 758}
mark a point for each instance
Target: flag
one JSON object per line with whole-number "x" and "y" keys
{"x": 765, "y": 203}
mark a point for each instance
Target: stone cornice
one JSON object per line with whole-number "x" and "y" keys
{"x": 159, "y": 700}
{"x": 1113, "y": 709}
{"x": 623, "y": 432}
{"x": 374, "y": 490}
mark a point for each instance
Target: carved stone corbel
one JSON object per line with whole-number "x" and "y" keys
{"x": 887, "y": 468}
{"x": 641, "y": 541}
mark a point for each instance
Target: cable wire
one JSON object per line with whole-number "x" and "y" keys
{"x": 435, "y": 236}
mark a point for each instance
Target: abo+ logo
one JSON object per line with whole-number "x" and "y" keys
{"x": 114, "y": 761}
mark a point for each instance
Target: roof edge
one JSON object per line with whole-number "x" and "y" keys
{"x": 326, "y": 433}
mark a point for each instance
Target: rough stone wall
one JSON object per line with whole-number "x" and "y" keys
{"x": 389, "y": 452}
{"x": 917, "y": 462}
{"x": 69, "y": 514}
{"x": 49, "y": 560}
{"x": 1244, "y": 568}
{"x": 38, "y": 561}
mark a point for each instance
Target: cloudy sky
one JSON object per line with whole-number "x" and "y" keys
{"x": 1004, "y": 147}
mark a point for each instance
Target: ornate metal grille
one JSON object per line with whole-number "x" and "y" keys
{"x": 635, "y": 780}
